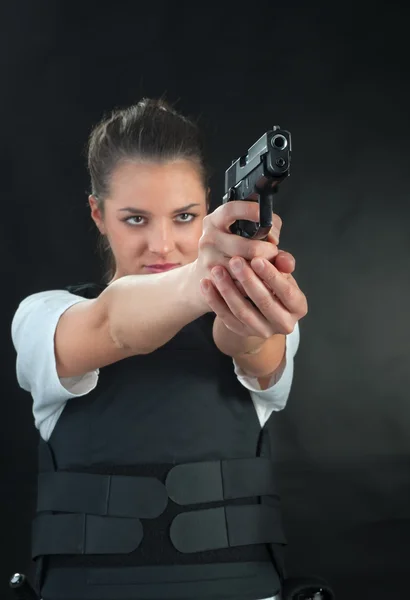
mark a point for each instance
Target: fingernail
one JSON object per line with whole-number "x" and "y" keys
{"x": 236, "y": 264}
{"x": 217, "y": 273}
{"x": 258, "y": 264}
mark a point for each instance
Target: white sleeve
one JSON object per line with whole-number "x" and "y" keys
{"x": 33, "y": 328}
{"x": 275, "y": 397}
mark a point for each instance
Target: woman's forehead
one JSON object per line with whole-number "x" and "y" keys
{"x": 167, "y": 183}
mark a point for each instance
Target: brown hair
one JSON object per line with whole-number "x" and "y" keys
{"x": 150, "y": 131}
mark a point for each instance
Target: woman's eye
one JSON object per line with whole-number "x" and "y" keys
{"x": 138, "y": 220}
{"x": 134, "y": 220}
{"x": 186, "y": 217}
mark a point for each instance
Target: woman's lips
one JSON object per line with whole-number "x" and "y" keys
{"x": 160, "y": 268}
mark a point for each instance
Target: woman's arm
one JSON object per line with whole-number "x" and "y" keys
{"x": 139, "y": 313}
{"x": 134, "y": 315}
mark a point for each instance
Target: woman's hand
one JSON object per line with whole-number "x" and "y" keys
{"x": 278, "y": 302}
{"x": 218, "y": 245}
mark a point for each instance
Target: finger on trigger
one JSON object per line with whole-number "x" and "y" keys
{"x": 234, "y": 210}
{"x": 275, "y": 230}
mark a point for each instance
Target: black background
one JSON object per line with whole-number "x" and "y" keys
{"x": 336, "y": 75}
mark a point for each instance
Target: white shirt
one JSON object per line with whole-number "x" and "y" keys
{"x": 33, "y": 330}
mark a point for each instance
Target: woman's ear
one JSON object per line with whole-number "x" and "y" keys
{"x": 96, "y": 214}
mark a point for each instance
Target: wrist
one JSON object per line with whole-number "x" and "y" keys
{"x": 233, "y": 344}
{"x": 254, "y": 350}
{"x": 266, "y": 360}
{"x": 251, "y": 347}
{"x": 192, "y": 289}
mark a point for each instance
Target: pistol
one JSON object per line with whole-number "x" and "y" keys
{"x": 256, "y": 176}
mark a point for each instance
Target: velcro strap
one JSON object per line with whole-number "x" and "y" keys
{"x": 84, "y": 534}
{"x": 222, "y": 580}
{"x": 112, "y": 495}
{"x": 226, "y": 527}
{"x": 214, "y": 481}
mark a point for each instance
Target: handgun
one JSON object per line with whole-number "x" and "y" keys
{"x": 256, "y": 176}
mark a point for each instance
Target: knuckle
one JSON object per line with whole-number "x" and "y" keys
{"x": 265, "y": 303}
{"x": 264, "y": 332}
{"x": 267, "y": 333}
{"x": 246, "y": 208}
{"x": 289, "y": 293}
{"x": 239, "y": 247}
{"x": 242, "y": 209}
{"x": 288, "y": 327}
{"x": 253, "y": 250}
{"x": 305, "y": 308}
{"x": 206, "y": 240}
{"x": 302, "y": 307}
{"x": 223, "y": 315}
{"x": 252, "y": 210}
{"x": 246, "y": 280}
{"x": 242, "y": 313}
{"x": 218, "y": 210}
{"x": 268, "y": 251}
{"x": 223, "y": 287}
{"x": 271, "y": 279}
{"x": 226, "y": 211}
{"x": 207, "y": 221}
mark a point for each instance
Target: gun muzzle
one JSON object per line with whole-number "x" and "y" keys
{"x": 279, "y": 141}
{"x": 255, "y": 176}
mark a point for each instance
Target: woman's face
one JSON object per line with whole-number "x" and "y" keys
{"x": 153, "y": 216}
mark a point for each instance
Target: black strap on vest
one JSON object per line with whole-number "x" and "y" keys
{"x": 147, "y": 497}
{"x": 226, "y": 527}
{"x": 111, "y": 495}
{"x": 196, "y": 531}
{"x": 227, "y": 581}
{"x": 218, "y": 480}
{"x": 105, "y": 509}
{"x": 84, "y": 534}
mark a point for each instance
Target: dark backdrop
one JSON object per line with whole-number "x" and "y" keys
{"x": 336, "y": 75}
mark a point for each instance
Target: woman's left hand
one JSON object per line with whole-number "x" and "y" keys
{"x": 278, "y": 301}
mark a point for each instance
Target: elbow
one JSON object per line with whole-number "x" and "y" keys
{"x": 129, "y": 342}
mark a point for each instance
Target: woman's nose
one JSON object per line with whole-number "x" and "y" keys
{"x": 161, "y": 240}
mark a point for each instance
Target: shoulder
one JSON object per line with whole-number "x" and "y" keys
{"x": 60, "y": 297}
{"x": 86, "y": 290}
{"x": 41, "y": 308}
{"x": 48, "y": 300}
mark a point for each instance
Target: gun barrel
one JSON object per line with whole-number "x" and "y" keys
{"x": 279, "y": 141}
{"x": 256, "y": 175}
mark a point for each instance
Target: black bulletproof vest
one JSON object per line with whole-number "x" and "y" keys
{"x": 158, "y": 483}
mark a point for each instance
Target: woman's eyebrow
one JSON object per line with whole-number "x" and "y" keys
{"x": 146, "y": 213}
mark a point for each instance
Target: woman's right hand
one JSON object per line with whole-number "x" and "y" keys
{"x": 218, "y": 244}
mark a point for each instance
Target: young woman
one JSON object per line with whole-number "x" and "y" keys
{"x": 151, "y": 390}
